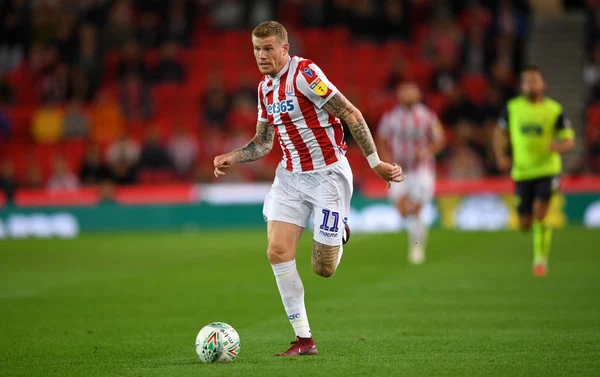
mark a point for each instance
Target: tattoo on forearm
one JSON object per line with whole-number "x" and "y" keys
{"x": 339, "y": 106}
{"x": 259, "y": 146}
{"x": 324, "y": 258}
{"x": 362, "y": 135}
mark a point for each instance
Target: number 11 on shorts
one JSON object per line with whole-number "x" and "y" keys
{"x": 336, "y": 220}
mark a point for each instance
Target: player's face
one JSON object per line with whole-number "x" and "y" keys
{"x": 271, "y": 54}
{"x": 532, "y": 84}
{"x": 409, "y": 94}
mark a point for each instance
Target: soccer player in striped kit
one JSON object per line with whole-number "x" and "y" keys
{"x": 412, "y": 134}
{"x": 297, "y": 102}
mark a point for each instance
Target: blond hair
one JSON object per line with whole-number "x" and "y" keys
{"x": 271, "y": 28}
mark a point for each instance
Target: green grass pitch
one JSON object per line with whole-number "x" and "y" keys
{"x": 131, "y": 305}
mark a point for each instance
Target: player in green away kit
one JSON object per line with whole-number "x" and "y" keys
{"x": 539, "y": 132}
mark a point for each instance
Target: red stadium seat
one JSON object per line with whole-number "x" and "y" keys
{"x": 437, "y": 102}
{"x": 475, "y": 87}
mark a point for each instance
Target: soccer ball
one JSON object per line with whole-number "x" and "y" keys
{"x": 217, "y": 342}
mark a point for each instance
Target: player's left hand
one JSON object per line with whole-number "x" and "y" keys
{"x": 222, "y": 163}
{"x": 390, "y": 173}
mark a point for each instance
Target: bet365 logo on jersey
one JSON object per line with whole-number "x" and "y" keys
{"x": 281, "y": 107}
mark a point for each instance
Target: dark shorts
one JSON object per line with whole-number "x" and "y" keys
{"x": 530, "y": 190}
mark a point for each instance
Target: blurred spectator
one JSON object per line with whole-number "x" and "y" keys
{"x": 132, "y": 62}
{"x": 89, "y": 62}
{"x": 15, "y": 32}
{"x": 6, "y": 92}
{"x": 509, "y": 20}
{"x": 364, "y": 19}
{"x": 502, "y": 79}
{"x": 107, "y": 119}
{"x": 169, "y": 69}
{"x": 65, "y": 36}
{"x": 148, "y": 31}
{"x": 153, "y": 154}
{"x": 135, "y": 98}
{"x": 124, "y": 149}
{"x": 465, "y": 156}
{"x": 475, "y": 16}
{"x": 459, "y": 108}
{"x": 44, "y": 22}
{"x": 178, "y": 26}
{"x": 33, "y": 179}
{"x": 443, "y": 44}
{"x": 120, "y": 26}
{"x": 123, "y": 172}
{"x": 76, "y": 123}
{"x": 314, "y": 13}
{"x": 446, "y": 75}
{"x": 62, "y": 178}
{"x": 107, "y": 192}
{"x": 396, "y": 23}
{"x": 594, "y": 153}
{"x": 227, "y": 14}
{"x": 591, "y": 76}
{"x": 93, "y": 171}
{"x": 476, "y": 54}
{"x": 8, "y": 184}
{"x": 397, "y": 74}
{"x": 5, "y": 127}
{"x": 53, "y": 76}
{"x": 215, "y": 106}
{"x": 183, "y": 151}
{"x": 242, "y": 115}
{"x": 47, "y": 123}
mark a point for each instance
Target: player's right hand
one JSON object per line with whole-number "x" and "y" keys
{"x": 222, "y": 163}
{"x": 389, "y": 172}
{"x": 503, "y": 163}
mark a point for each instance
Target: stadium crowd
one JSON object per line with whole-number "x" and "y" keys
{"x": 148, "y": 91}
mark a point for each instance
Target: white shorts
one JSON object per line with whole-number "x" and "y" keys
{"x": 325, "y": 194}
{"x": 418, "y": 187}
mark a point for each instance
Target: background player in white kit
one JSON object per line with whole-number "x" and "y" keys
{"x": 296, "y": 101}
{"x": 411, "y": 134}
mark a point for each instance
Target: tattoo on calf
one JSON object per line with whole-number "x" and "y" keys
{"x": 324, "y": 258}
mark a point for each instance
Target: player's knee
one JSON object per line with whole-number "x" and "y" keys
{"x": 525, "y": 224}
{"x": 279, "y": 253}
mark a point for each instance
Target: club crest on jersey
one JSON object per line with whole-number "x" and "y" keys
{"x": 289, "y": 89}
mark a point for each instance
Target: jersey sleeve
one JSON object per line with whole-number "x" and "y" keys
{"x": 564, "y": 128}
{"x": 503, "y": 119}
{"x": 312, "y": 82}
{"x": 434, "y": 122}
{"x": 262, "y": 111}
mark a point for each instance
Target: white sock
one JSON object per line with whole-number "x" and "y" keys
{"x": 417, "y": 231}
{"x": 292, "y": 294}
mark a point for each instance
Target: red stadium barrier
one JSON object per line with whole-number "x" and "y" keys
{"x": 184, "y": 193}
{"x": 376, "y": 189}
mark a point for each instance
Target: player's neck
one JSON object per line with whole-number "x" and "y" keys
{"x": 285, "y": 63}
{"x": 535, "y": 99}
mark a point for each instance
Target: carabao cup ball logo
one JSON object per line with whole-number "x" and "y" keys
{"x": 217, "y": 342}
{"x": 210, "y": 348}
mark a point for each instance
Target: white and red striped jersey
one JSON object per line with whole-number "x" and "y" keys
{"x": 407, "y": 131}
{"x": 292, "y": 102}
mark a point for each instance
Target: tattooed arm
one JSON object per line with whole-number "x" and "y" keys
{"x": 256, "y": 149}
{"x": 340, "y": 107}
